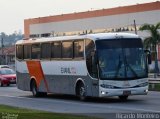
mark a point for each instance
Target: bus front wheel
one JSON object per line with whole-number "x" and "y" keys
{"x": 82, "y": 92}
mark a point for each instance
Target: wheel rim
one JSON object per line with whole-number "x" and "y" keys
{"x": 34, "y": 90}
{"x": 82, "y": 93}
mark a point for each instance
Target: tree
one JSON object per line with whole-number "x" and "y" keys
{"x": 152, "y": 41}
{"x": 11, "y": 38}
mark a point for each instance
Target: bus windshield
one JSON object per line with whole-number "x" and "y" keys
{"x": 121, "y": 59}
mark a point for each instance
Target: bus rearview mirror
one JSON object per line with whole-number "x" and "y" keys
{"x": 148, "y": 54}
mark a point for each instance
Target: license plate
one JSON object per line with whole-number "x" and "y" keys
{"x": 127, "y": 92}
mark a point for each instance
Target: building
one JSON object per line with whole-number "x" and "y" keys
{"x": 119, "y": 19}
{"x": 108, "y": 20}
{"x": 7, "y": 55}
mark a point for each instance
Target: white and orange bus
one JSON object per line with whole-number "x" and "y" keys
{"x": 96, "y": 65}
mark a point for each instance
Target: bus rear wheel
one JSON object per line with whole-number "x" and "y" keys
{"x": 123, "y": 97}
{"x": 34, "y": 89}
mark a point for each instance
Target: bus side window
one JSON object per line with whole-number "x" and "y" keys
{"x": 19, "y": 51}
{"x": 27, "y": 51}
{"x": 67, "y": 49}
{"x": 36, "y": 51}
{"x": 45, "y": 50}
{"x": 78, "y": 49}
{"x": 56, "y": 50}
{"x": 91, "y": 66}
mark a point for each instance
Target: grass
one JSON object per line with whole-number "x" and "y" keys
{"x": 154, "y": 87}
{"x": 8, "y": 112}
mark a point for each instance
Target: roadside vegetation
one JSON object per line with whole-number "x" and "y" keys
{"x": 154, "y": 87}
{"x": 151, "y": 44}
{"x": 8, "y": 112}
{"x": 9, "y": 40}
{"x": 152, "y": 41}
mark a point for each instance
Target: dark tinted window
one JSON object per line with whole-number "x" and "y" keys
{"x": 56, "y": 50}
{"x": 45, "y": 35}
{"x": 67, "y": 49}
{"x": 89, "y": 47}
{"x": 45, "y": 50}
{"x": 27, "y": 51}
{"x": 78, "y": 49}
{"x": 119, "y": 43}
{"x": 19, "y": 51}
{"x": 36, "y": 48}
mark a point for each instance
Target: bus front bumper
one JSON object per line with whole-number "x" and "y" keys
{"x": 106, "y": 92}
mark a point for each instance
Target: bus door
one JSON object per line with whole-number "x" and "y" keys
{"x": 92, "y": 67}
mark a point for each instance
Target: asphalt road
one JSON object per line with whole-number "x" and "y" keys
{"x": 70, "y": 104}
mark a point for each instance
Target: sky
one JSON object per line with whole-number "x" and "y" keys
{"x": 13, "y": 12}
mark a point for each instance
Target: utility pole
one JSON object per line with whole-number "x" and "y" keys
{"x": 2, "y": 46}
{"x": 135, "y": 26}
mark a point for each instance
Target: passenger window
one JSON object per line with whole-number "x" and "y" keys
{"x": 27, "y": 51}
{"x": 56, "y": 50}
{"x": 19, "y": 51}
{"x": 36, "y": 48}
{"x": 45, "y": 50}
{"x": 78, "y": 49}
{"x": 67, "y": 49}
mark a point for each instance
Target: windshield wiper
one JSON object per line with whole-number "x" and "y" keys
{"x": 119, "y": 67}
{"x": 127, "y": 65}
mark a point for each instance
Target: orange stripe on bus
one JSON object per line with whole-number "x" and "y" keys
{"x": 35, "y": 70}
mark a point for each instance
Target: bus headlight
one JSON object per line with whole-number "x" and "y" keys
{"x": 106, "y": 86}
{"x": 102, "y": 92}
{"x": 146, "y": 91}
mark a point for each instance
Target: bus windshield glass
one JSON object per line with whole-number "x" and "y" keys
{"x": 121, "y": 59}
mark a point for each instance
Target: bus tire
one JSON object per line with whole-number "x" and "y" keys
{"x": 34, "y": 89}
{"x": 123, "y": 97}
{"x": 82, "y": 92}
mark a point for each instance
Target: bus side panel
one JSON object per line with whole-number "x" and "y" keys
{"x": 62, "y": 76}
{"x": 23, "y": 81}
{"x": 57, "y": 84}
{"x": 59, "y": 77}
{"x": 23, "y": 77}
{"x": 95, "y": 87}
{"x": 66, "y": 84}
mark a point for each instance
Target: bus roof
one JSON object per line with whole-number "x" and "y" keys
{"x": 94, "y": 37}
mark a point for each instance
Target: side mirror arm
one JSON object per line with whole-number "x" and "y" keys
{"x": 148, "y": 54}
